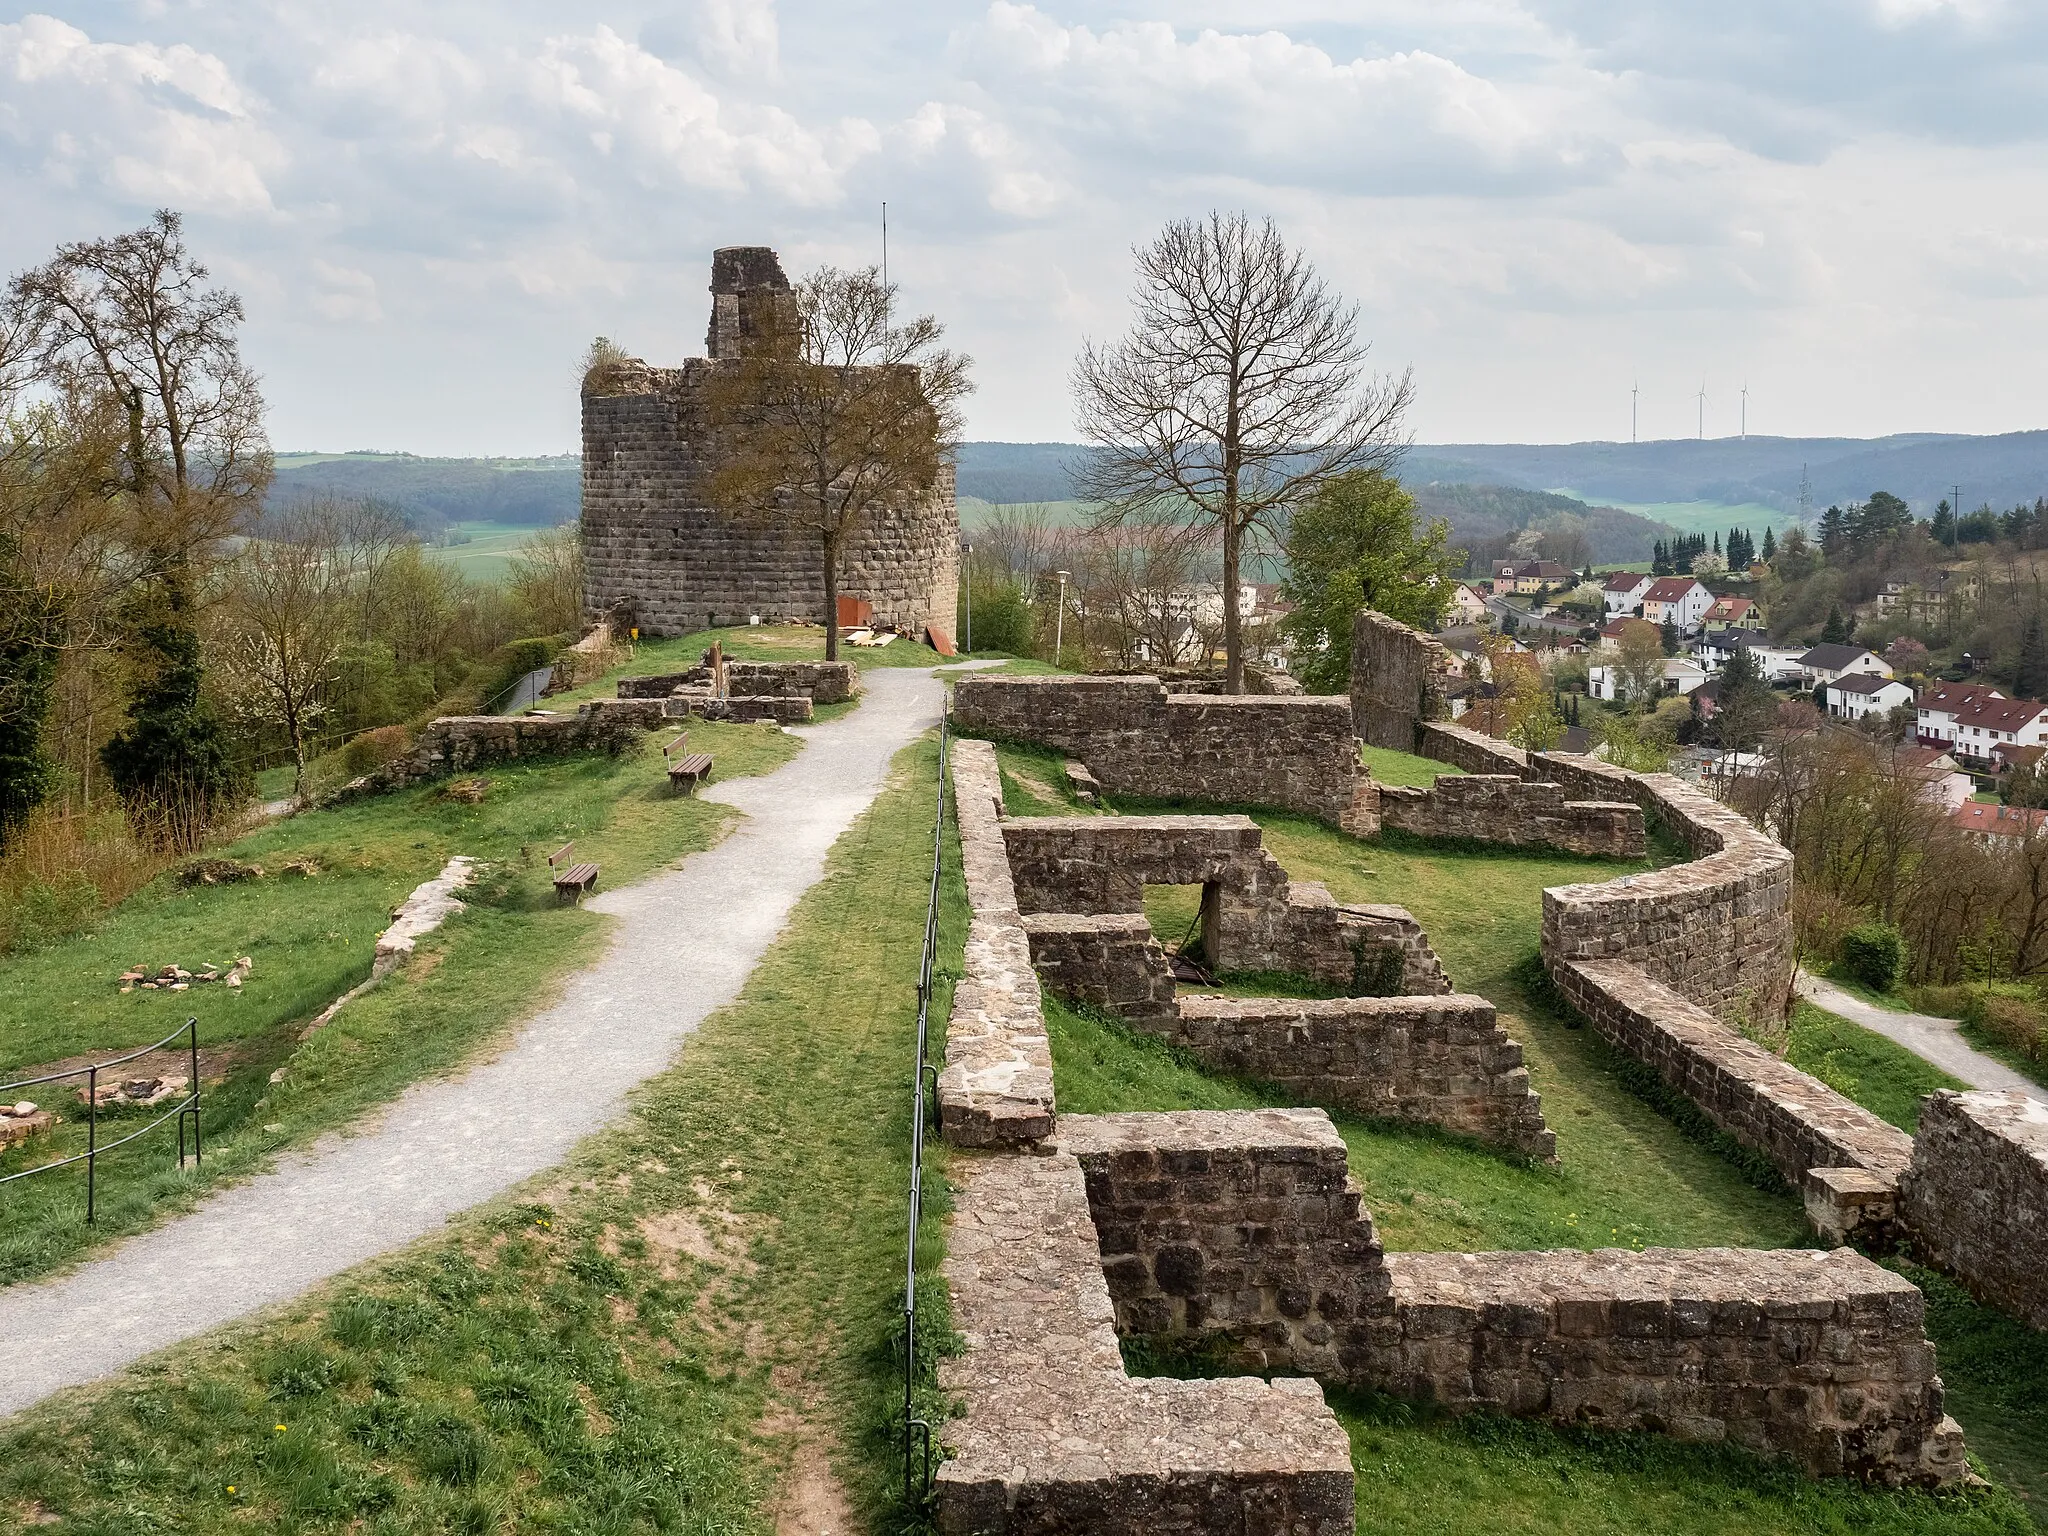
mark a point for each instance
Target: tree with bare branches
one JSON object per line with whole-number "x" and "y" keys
{"x": 131, "y": 320}
{"x": 1238, "y": 392}
{"x": 832, "y": 412}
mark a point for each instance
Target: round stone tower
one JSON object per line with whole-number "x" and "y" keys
{"x": 659, "y": 555}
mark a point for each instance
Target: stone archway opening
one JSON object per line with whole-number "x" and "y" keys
{"x": 1185, "y": 919}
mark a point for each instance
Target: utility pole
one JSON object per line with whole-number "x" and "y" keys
{"x": 967, "y": 590}
{"x": 1955, "y": 515}
{"x": 885, "y": 245}
{"x": 1059, "y": 623}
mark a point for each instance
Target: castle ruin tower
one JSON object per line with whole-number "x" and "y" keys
{"x": 658, "y": 555}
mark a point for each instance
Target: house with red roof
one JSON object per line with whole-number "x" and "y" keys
{"x": 1681, "y": 599}
{"x": 1985, "y": 729}
{"x": 1998, "y": 823}
{"x": 1939, "y": 704}
{"x": 1741, "y": 612}
{"x": 1622, "y": 593}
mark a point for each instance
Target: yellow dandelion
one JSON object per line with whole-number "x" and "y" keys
{"x": 280, "y": 1429}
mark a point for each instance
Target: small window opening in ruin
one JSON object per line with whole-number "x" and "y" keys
{"x": 1183, "y": 919}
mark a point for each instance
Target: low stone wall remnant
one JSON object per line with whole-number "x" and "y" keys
{"x": 1296, "y": 753}
{"x": 995, "y": 1088}
{"x": 1110, "y": 960}
{"x": 1501, "y": 808}
{"x": 464, "y": 743}
{"x": 1443, "y": 1061}
{"x": 1254, "y": 917}
{"x": 1976, "y": 1196}
{"x": 822, "y": 682}
{"x": 1053, "y": 1438}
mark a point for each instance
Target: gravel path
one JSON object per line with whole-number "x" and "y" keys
{"x": 684, "y": 943}
{"x": 1930, "y": 1038}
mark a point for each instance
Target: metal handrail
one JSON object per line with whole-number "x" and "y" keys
{"x": 915, "y": 1429}
{"x": 187, "y": 1106}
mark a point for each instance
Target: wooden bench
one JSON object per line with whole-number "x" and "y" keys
{"x": 686, "y": 772}
{"x": 571, "y": 880}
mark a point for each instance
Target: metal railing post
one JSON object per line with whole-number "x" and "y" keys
{"x": 92, "y": 1139}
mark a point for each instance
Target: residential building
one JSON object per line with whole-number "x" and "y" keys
{"x": 1531, "y": 576}
{"x": 1740, "y": 612}
{"x": 1855, "y": 695}
{"x": 1468, "y": 605}
{"x": 1985, "y": 726}
{"x": 1930, "y": 603}
{"x": 1825, "y": 663}
{"x": 1945, "y": 784}
{"x": 1681, "y": 599}
{"x": 1998, "y": 823}
{"x": 1612, "y": 631}
{"x": 1941, "y": 702}
{"x": 1681, "y": 675}
{"x": 1717, "y": 647}
{"x": 1622, "y": 593}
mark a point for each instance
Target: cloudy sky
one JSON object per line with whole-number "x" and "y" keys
{"x": 431, "y": 208}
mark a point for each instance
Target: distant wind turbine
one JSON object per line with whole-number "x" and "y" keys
{"x": 1633, "y": 391}
{"x": 1703, "y": 410}
{"x": 1745, "y": 410}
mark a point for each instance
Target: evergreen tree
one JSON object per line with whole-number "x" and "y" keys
{"x": 1717, "y": 540}
{"x": 171, "y": 763}
{"x": 1669, "y": 630}
{"x": 1660, "y": 559}
{"x": 1834, "y": 533}
{"x": 1942, "y": 527}
{"x": 1770, "y": 545}
{"x": 2030, "y": 680}
{"x": 1837, "y": 629}
{"x": 1746, "y": 703}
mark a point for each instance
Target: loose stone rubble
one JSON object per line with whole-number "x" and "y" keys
{"x": 1976, "y": 1196}
{"x": 23, "y": 1119}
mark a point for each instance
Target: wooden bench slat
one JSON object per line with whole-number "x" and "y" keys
{"x": 580, "y": 874}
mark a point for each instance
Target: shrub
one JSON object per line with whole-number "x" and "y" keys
{"x": 2011, "y": 1015}
{"x": 1820, "y": 919}
{"x": 1002, "y": 621}
{"x": 373, "y": 749}
{"x": 1874, "y": 954}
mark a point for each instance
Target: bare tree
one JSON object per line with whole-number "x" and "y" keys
{"x": 833, "y": 412}
{"x": 1238, "y": 390}
{"x": 546, "y": 580}
{"x": 286, "y": 612}
{"x": 1639, "y": 663}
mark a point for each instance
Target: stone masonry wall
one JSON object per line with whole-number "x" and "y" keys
{"x": 1976, "y": 1197}
{"x": 1443, "y": 1061}
{"x": 655, "y": 550}
{"x": 995, "y": 1088}
{"x": 1054, "y": 1439}
{"x": 1110, "y": 960}
{"x": 1500, "y": 808}
{"x": 464, "y": 743}
{"x": 1398, "y": 678}
{"x": 822, "y": 682}
{"x": 1296, "y": 753}
{"x": 1242, "y": 1230}
{"x": 1262, "y": 920}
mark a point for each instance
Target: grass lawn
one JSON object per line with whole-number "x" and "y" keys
{"x": 1860, "y": 1064}
{"x": 312, "y": 938}
{"x": 649, "y": 1338}
{"x": 1628, "y": 1177}
{"x": 1403, "y": 769}
{"x": 487, "y": 556}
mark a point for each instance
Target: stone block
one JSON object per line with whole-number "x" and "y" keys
{"x": 1975, "y": 1198}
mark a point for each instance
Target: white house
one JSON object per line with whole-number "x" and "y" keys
{"x": 1940, "y": 703}
{"x": 1717, "y": 647}
{"x": 1681, "y": 675}
{"x": 1825, "y": 663}
{"x": 1623, "y": 592}
{"x": 1942, "y": 782}
{"x": 1467, "y": 606}
{"x": 1681, "y": 599}
{"x": 1984, "y": 726}
{"x": 1857, "y": 694}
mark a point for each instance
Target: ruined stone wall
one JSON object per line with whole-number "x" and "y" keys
{"x": 1054, "y": 1439}
{"x": 1261, "y": 921}
{"x": 1241, "y": 1229}
{"x": 822, "y": 682}
{"x": 1821, "y": 1358}
{"x": 995, "y": 1089}
{"x": 1499, "y": 808}
{"x": 1443, "y": 1061}
{"x": 1294, "y": 753}
{"x": 1398, "y": 678}
{"x": 1976, "y": 1196}
{"x": 464, "y": 743}
{"x": 658, "y": 553}
{"x": 1111, "y": 961}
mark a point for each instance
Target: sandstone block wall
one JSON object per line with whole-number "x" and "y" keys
{"x": 640, "y": 714}
{"x": 1296, "y": 753}
{"x": 1796, "y": 1121}
{"x": 1110, "y": 960}
{"x": 1501, "y": 808}
{"x": 1976, "y": 1196}
{"x": 782, "y": 708}
{"x": 1055, "y": 1439}
{"x": 1818, "y": 1357}
{"x": 464, "y": 743}
{"x": 822, "y": 682}
{"x": 1256, "y": 920}
{"x": 659, "y": 554}
{"x": 1241, "y": 1229}
{"x": 1442, "y": 1061}
{"x": 1398, "y": 678}
{"x": 1238, "y": 1225}
{"x": 995, "y": 1089}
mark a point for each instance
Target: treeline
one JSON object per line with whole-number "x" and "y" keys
{"x": 161, "y": 637}
{"x": 1694, "y": 554}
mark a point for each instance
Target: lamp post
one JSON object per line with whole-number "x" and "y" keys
{"x": 967, "y": 588}
{"x": 1059, "y": 622}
